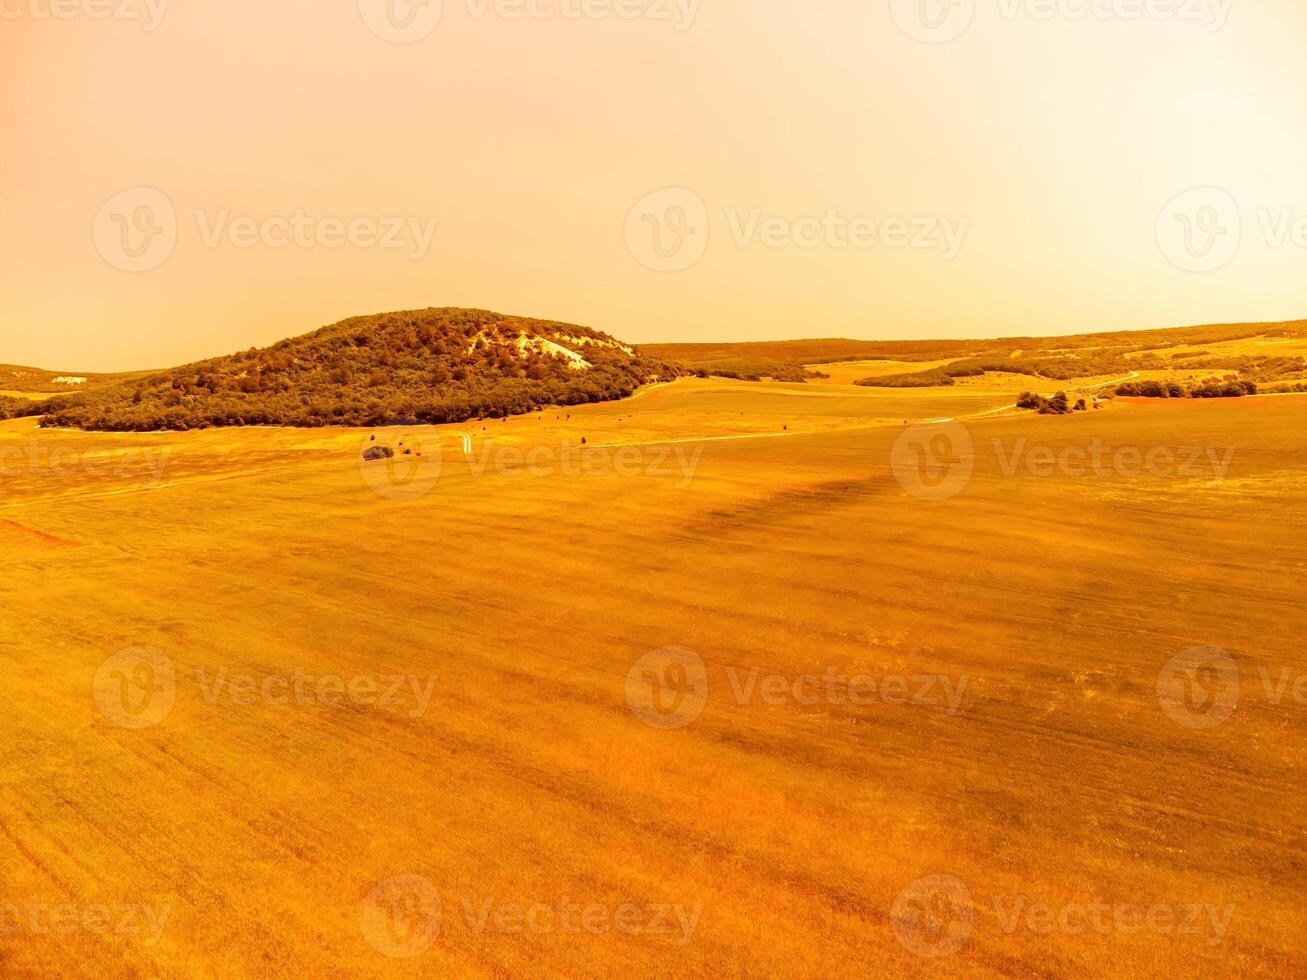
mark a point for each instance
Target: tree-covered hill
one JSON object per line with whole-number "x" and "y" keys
{"x": 424, "y": 366}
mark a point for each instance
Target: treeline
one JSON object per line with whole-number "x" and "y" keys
{"x": 1059, "y": 404}
{"x": 778, "y": 371}
{"x": 1063, "y": 367}
{"x": 1173, "y": 389}
{"x": 21, "y": 408}
{"x": 429, "y": 366}
{"x": 946, "y": 376}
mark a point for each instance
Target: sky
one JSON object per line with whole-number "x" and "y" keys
{"x": 181, "y": 180}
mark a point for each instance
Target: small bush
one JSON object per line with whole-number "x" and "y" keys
{"x": 378, "y": 452}
{"x": 1057, "y": 405}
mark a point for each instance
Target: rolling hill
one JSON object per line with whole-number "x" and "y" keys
{"x": 452, "y": 365}
{"x": 1262, "y": 352}
{"x": 424, "y": 366}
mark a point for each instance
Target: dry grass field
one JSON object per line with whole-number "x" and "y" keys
{"x": 273, "y": 712}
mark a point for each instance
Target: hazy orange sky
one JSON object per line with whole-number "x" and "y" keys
{"x": 1032, "y": 156}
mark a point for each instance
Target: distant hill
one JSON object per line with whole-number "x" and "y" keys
{"x": 1079, "y": 355}
{"x": 37, "y": 381}
{"x": 423, "y": 366}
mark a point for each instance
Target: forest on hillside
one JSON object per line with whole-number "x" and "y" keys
{"x": 429, "y": 366}
{"x": 20, "y": 408}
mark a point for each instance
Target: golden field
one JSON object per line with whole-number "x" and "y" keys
{"x": 511, "y": 812}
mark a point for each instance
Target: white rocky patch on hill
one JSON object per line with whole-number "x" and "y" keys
{"x": 562, "y": 346}
{"x": 582, "y": 341}
{"x": 574, "y": 360}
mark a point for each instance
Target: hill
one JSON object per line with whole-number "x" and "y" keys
{"x": 29, "y": 382}
{"x": 453, "y": 365}
{"x": 1261, "y": 352}
{"x": 425, "y": 366}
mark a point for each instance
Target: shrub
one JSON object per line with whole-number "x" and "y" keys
{"x": 1057, "y": 405}
{"x": 1170, "y": 389}
{"x": 378, "y": 452}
